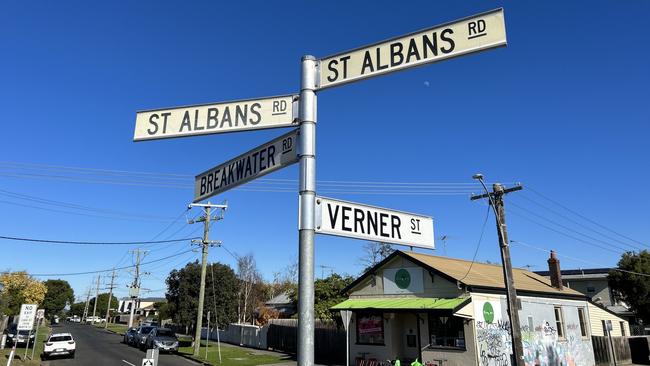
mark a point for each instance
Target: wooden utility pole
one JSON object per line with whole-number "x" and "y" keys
{"x": 110, "y": 297}
{"x": 96, "y": 299}
{"x": 496, "y": 201}
{"x": 134, "y": 293}
{"x": 85, "y": 314}
{"x": 205, "y": 243}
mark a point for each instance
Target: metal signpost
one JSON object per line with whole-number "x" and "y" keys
{"x": 40, "y": 314}
{"x": 262, "y": 160}
{"x": 327, "y": 216}
{"x": 204, "y": 119}
{"x": 359, "y": 221}
{"x": 472, "y": 34}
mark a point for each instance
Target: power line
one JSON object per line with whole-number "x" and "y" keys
{"x": 91, "y": 242}
{"x": 585, "y": 218}
{"x": 102, "y": 270}
{"x": 579, "y": 260}
{"x": 478, "y": 244}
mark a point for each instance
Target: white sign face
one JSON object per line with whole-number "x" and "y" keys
{"x": 262, "y": 160}
{"x": 468, "y": 35}
{"x": 147, "y": 362}
{"x": 403, "y": 281}
{"x": 346, "y": 316}
{"x": 359, "y": 221}
{"x": 40, "y": 314}
{"x": 224, "y": 117}
{"x": 27, "y": 315}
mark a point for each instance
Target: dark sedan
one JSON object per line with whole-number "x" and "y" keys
{"x": 129, "y": 336}
{"x": 18, "y": 337}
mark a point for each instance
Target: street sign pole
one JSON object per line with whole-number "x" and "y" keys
{"x": 306, "y": 216}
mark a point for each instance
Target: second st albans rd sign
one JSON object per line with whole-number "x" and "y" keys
{"x": 359, "y": 221}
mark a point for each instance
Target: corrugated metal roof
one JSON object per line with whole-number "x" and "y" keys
{"x": 400, "y": 304}
{"x": 489, "y": 275}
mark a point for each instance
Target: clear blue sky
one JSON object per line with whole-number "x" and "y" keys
{"x": 563, "y": 109}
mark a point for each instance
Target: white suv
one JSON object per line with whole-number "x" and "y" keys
{"x": 59, "y": 344}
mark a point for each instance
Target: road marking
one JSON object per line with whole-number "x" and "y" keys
{"x": 128, "y": 363}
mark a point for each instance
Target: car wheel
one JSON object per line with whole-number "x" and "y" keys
{"x": 72, "y": 355}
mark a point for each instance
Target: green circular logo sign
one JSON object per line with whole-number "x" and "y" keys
{"x": 402, "y": 279}
{"x": 488, "y": 313}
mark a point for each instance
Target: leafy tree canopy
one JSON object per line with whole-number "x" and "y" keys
{"x": 327, "y": 293}
{"x": 102, "y": 303}
{"x": 19, "y": 288}
{"x": 634, "y": 289}
{"x": 59, "y": 293}
{"x": 183, "y": 293}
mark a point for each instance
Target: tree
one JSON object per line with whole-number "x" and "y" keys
{"x": 285, "y": 281}
{"x": 634, "y": 289}
{"x": 183, "y": 293}
{"x": 59, "y": 294}
{"x": 77, "y": 308}
{"x": 19, "y": 288}
{"x": 163, "y": 311}
{"x": 249, "y": 289}
{"x": 374, "y": 253}
{"x": 327, "y": 293}
{"x": 102, "y": 304}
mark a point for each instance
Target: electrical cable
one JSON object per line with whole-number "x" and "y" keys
{"x": 47, "y": 241}
{"x": 478, "y": 244}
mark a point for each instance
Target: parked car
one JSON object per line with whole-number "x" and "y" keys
{"x": 141, "y": 336}
{"x": 59, "y": 344}
{"x": 129, "y": 336}
{"x": 163, "y": 339}
{"x": 94, "y": 319}
{"x": 18, "y": 337}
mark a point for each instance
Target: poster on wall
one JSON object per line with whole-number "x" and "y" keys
{"x": 493, "y": 341}
{"x": 403, "y": 281}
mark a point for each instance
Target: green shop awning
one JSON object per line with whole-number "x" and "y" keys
{"x": 401, "y": 304}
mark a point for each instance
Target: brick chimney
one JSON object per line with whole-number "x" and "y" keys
{"x": 554, "y": 271}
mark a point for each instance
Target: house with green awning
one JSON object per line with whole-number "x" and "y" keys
{"x": 451, "y": 312}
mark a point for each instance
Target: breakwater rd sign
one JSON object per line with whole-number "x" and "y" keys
{"x": 472, "y": 34}
{"x": 203, "y": 119}
{"x": 359, "y": 221}
{"x": 262, "y": 160}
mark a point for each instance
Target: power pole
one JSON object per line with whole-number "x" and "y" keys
{"x": 496, "y": 201}
{"x": 110, "y": 298}
{"x": 85, "y": 314}
{"x": 134, "y": 293}
{"x": 96, "y": 299}
{"x": 205, "y": 243}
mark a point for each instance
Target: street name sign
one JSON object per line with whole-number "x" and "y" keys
{"x": 27, "y": 315}
{"x": 242, "y": 115}
{"x": 260, "y": 161}
{"x": 472, "y": 34}
{"x": 359, "y": 221}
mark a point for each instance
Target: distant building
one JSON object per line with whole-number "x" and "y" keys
{"x": 594, "y": 284}
{"x": 144, "y": 308}
{"x": 283, "y": 305}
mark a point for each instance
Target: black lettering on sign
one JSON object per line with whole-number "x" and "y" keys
{"x": 287, "y": 145}
{"x": 415, "y": 226}
{"x": 396, "y": 57}
{"x": 153, "y": 119}
{"x": 202, "y": 190}
{"x": 382, "y": 224}
{"x": 240, "y": 114}
{"x": 254, "y": 110}
{"x": 209, "y": 183}
{"x": 196, "y": 121}
{"x": 345, "y": 217}
{"x": 212, "y": 117}
{"x": 226, "y": 117}
{"x": 331, "y": 66}
{"x": 372, "y": 223}
{"x": 379, "y": 65}
{"x": 395, "y": 223}
{"x": 279, "y": 107}
{"x": 345, "y": 66}
{"x": 186, "y": 122}
{"x": 367, "y": 63}
{"x": 358, "y": 220}
{"x": 270, "y": 157}
{"x": 165, "y": 115}
{"x": 262, "y": 156}
{"x": 476, "y": 29}
{"x": 445, "y": 38}
{"x": 333, "y": 215}
{"x": 413, "y": 51}
{"x": 430, "y": 44}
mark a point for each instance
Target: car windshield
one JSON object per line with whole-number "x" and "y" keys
{"x": 60, "y": 338}
{"x": 164, "y": 333}
{"x": 145, "y": 330}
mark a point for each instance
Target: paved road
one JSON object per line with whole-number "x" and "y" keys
{"x": 98, "y": 347}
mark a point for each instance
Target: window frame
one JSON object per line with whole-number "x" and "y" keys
{"x": 362, "y": 314}
{"x": 582, "y": 320}
{"x": 559, "y": 323}
{"x": 431, "y": 317}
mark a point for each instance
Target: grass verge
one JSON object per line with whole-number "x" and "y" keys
{"x": 19, "y": 356}
{"x": 117, "y": 328}
{"x": 231, "y": 356}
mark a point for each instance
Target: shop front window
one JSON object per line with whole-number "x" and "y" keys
{"x": 370, "y": 328}
{"x": 446, "y": 331}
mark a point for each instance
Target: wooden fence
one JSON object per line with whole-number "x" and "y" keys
{"x": 603, "y": 350}
{"x": 329, "y": 341}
